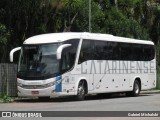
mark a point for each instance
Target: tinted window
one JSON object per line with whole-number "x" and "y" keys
{"x": 108, "y": 50}
{"x": 143, "y": 52}
{"x": 86, "y": 52}
{"x": 69, "y": 55}
{"x": 149, "y": 52}
{"x": 125, "y": 51}
{"x": 116, "y": 50}
{"x": 104, "y": 50}
{"x": 100, "y": 49}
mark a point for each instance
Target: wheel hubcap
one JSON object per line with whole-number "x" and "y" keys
{"x": 80, "y": 91}
{"x": 136, "y": 88}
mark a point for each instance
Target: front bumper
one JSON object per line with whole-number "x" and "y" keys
{"x": 46, "y": 92}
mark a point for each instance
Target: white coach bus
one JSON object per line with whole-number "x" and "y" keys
{"x": 61, "y": 64}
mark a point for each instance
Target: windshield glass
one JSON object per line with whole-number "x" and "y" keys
{"x": 38, "y": 62}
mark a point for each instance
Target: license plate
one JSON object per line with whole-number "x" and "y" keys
{"x": 35, "y": 92}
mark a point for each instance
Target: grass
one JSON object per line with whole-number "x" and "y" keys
{"x": 6, "y": 99}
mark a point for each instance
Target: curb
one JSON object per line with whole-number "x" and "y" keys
{"x": 150, "y": 92}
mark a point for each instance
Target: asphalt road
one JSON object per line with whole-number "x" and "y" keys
{"x": 144, "y": 102}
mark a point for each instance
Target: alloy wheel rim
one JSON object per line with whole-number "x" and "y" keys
{"x": 136, "y": 88}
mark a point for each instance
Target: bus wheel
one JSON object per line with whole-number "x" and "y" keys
{"x": 136, "y": 89}
{"x": 81, "y": 91}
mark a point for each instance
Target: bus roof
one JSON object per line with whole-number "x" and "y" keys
{"x": 60, "y": 37}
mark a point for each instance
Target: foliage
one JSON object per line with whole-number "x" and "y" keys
{"x": 119, "y": 25}
{"x": 3, "y": 34}
{"x": 25, "y": 18}
{"x": 6, "y": 99}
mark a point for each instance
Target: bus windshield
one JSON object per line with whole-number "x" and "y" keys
{"x": 38, "y": 62}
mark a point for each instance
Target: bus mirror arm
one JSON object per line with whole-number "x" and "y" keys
{"x": 60, "y": 49}
{"x": 12, "y": 52}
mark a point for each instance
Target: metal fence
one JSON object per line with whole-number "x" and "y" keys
{"x": 8, "y": 79}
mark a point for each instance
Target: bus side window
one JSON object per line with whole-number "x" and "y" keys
{"x": 125, "y": 51}
{"x": 69, "y": 55}
{"x": 116, "y": 51}
{"x": 65, "y": 59}
{"x": 86, "y": 51}
{"x": 149, "y": 52}
{"x": 100, "y": 50}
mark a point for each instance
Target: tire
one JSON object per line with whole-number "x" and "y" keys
{"x": 81, "y": 92}
{"x": 136, "y": 89}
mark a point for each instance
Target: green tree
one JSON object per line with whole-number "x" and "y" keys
{"x": 155, "y": 28}
{"x": 128, "y": 18}
{"x": 4, "y": 35}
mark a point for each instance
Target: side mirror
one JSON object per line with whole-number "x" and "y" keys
{"x": 60, "y": 48}
{"x": 12, "y": 52}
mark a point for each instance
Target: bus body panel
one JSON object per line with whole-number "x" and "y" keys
{"x": 102, "y": 76}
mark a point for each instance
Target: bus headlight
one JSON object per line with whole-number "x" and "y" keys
{"x": 49, "y": 84}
